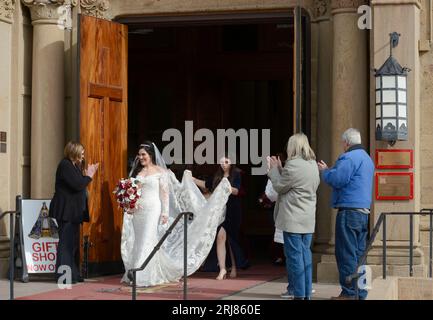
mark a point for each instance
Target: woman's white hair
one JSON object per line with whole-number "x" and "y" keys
{"x": 352, "y": 136}
{"x": 298, "y": 147}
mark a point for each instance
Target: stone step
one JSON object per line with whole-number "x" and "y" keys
{"x": 328, "y": 258}
{"x": 4, "y": 248}
{"x": 328, "y": 272}
{"x": 4, "y": 267}
{"x": 401, "y": 288}
{"x": 398, "y": 271}
{"x": 393, "y": 260}
{"x": 392, "y": 257}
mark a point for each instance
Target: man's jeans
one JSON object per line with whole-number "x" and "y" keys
{"x": 351, "y": 230}
{"x": 298, "y": 263}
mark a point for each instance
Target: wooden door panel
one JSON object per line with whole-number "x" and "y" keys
{"x": 103, "y": 129}
{"x": 91, "y": 115}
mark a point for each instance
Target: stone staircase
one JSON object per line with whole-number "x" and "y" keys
{"x": 397, "y": 263}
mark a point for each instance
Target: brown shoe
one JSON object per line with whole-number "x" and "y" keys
{"x": 343, "y": 297}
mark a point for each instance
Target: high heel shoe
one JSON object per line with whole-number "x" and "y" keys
{"x": 222, "y": 275}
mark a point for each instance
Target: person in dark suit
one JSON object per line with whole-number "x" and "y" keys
{"x": 69, "y": 205}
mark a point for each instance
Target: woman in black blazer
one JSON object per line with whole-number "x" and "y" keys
{"x": 69, "y": 206}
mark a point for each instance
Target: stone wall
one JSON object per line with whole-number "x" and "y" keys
{"x": 404, "y": 18}
{"x": 426, "y": 58}
{"x": 15, "y": 110}
{"x": 426, "y": 157}
{"x": 22, "y": 44}
{"x": 6, "y": 19}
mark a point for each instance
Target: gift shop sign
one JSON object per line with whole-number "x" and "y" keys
{"x": 40, "y": 237}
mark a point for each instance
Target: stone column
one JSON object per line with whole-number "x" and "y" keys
{"x": 349, "y": 73}
{"x": 7, "y": 8}
{"x": 402, "y": 17}
{"x": 48, "y": 96}
{"x": 321, "y": 32}
{"x": 349, "y": 108}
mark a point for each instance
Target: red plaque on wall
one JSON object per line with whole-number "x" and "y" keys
{"x": 394, "y": 185}
{"x": 394, "y": 158}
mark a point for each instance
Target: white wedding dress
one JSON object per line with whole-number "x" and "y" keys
{"x": 162, "y": 194}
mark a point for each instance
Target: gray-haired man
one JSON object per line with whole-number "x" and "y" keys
{"x": 351, "y": 180}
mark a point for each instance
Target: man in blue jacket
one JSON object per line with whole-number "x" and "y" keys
{"x": 351, "y": 180}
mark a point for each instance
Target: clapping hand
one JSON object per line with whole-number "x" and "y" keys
{"x": 274, "y": 162}
{"x": 91, "y": 169}
{"x": 322, "y": 165}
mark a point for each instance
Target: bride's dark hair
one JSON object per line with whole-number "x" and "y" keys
{"x": 148, "y": 147}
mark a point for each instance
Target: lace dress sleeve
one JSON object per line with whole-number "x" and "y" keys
{"x": 164, "y": 194}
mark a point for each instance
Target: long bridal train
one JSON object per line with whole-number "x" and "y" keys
{"x": 142, "y": 229}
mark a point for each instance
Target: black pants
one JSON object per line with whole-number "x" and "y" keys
{"x": 68, "y": 252}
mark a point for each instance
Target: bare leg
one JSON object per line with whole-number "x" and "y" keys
{"x": 221, "y": 253}
{"x": 233, "y": 272}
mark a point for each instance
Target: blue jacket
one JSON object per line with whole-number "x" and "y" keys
{"x": 351, "y": 179}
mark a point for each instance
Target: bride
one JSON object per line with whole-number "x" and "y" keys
{"x": 163, "y": 197}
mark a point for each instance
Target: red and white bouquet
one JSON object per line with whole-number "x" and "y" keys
{"x": 127, "y": 193}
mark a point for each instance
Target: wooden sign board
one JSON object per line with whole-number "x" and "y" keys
{"x": 394, "y": 186}
{"x": 394, "y": 158}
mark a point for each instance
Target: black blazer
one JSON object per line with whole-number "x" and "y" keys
{"x": 70, "y": 198}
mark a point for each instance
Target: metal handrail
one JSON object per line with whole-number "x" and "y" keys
{"x": 11, "y": 251}
{"x": 132, "y": 273}
{"x": 12, "y": 221}
{"x": 382, "y": 219}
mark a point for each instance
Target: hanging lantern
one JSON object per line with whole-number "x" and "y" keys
{"x": 391, "y": 98}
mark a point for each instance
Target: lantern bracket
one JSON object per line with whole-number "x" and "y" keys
{"x": 393, "y": 41}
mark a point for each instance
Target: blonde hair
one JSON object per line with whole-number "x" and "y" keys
{"x": 298, "y": 147}
{"x": 73, "y": 150}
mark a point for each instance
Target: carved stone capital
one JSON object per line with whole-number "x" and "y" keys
{"x": 351, "y": 5}
{"x": 95, "y": 8}
{"x": 321, "y": 8}
{"x": 46, "y": 11}
{"x": 7, "y": 8}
